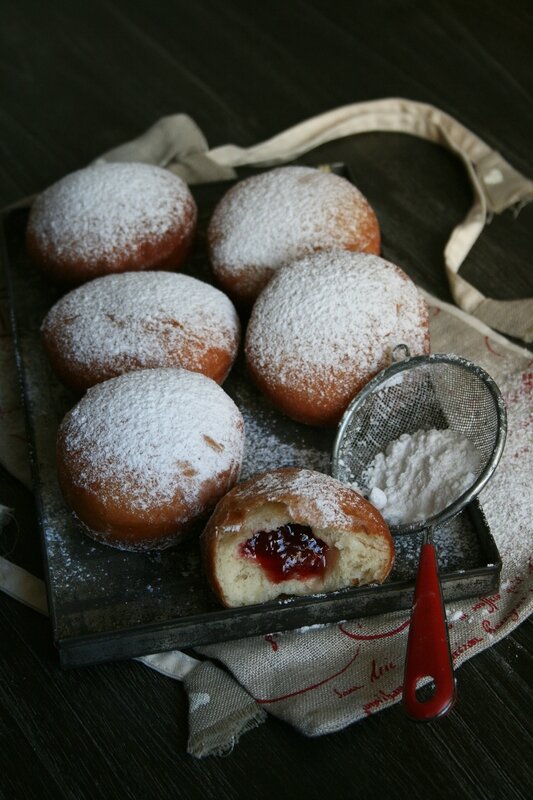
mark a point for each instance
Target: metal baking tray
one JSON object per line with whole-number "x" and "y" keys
{"x": 107, "y": 604}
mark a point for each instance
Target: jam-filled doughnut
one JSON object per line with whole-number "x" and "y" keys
{"x": 120, "y": 323}
{"x": 325, "y": 325}
{"x": 142, "y": 457}
{"x": 271, "y": 219}
{"x": 293, "y": 532}
{"x": 111, "y": 218}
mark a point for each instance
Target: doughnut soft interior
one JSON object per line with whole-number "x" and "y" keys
{"x": 273, "y": 218}
{"x": 144, "y": 456}
{"x": 325, "y": 325}
{"x": 293, "y": 532}
{"x": 120, "y": 323}
{"x": 111, "y": 218}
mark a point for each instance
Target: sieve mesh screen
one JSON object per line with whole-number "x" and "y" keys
{"x": 422, "y": 393}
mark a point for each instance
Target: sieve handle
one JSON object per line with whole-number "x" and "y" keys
{"x": 428, "y": 648}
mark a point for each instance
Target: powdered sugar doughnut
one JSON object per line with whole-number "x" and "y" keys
{"x": 143, "y": 456}
{"x": 130, "y": 321}
{"x": 325, "y": 325}
{"x": 111, "y": 218}
{"x": 293, "y": 531}
{"x": 271, "y": 219}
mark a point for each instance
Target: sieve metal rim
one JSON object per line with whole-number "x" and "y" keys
{"x": 411, "y": 362}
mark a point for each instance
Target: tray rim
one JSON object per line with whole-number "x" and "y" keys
{"x": 72, "y": 650}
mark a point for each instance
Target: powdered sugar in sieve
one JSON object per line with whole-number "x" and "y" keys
{"x": 420, "y": 474}
{"x": 427, "y": 434}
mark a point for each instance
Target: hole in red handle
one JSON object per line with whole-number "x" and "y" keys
{"x": 425, "y": 688}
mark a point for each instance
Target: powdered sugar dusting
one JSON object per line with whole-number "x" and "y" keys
{"x": 334, "y": 317}
{"x": 269, "y": 446}
{"x": 270, "y": 219}
{"x": 155, "y": 435}
{"x": 421, "y": 474}
{"x": 137, "y": 320}
{"x": 108, "y": 209}
{"x": 324, "y": 497}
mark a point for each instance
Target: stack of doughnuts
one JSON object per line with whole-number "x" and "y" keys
{"x": 148, "y": 451}
{"x": 156, "y": 443}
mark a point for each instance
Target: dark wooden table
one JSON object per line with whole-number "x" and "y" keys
{"x": 80, "y": 78}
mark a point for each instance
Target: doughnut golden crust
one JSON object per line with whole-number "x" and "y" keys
{"x": 293, "y": 532}
{"x": 111, "y": 218}
{"x": 142, "y": 457}
{"x": 325, "y": 325}
{"x": 269, "y": 220}
{"x": 120, "y": 323}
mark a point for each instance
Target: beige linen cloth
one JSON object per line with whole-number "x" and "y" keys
{"x": 324, "y": 678}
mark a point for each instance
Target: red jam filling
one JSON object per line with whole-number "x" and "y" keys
{"x": 289, "y": 552}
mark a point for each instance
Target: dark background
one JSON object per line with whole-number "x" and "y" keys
{"x": 79, "y": 78}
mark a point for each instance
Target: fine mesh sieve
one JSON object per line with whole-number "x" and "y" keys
{"x": 422, "y": 393}
{"x": 443, "y": 392}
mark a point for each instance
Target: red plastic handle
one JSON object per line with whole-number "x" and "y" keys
{"x": 428, "y": 648}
